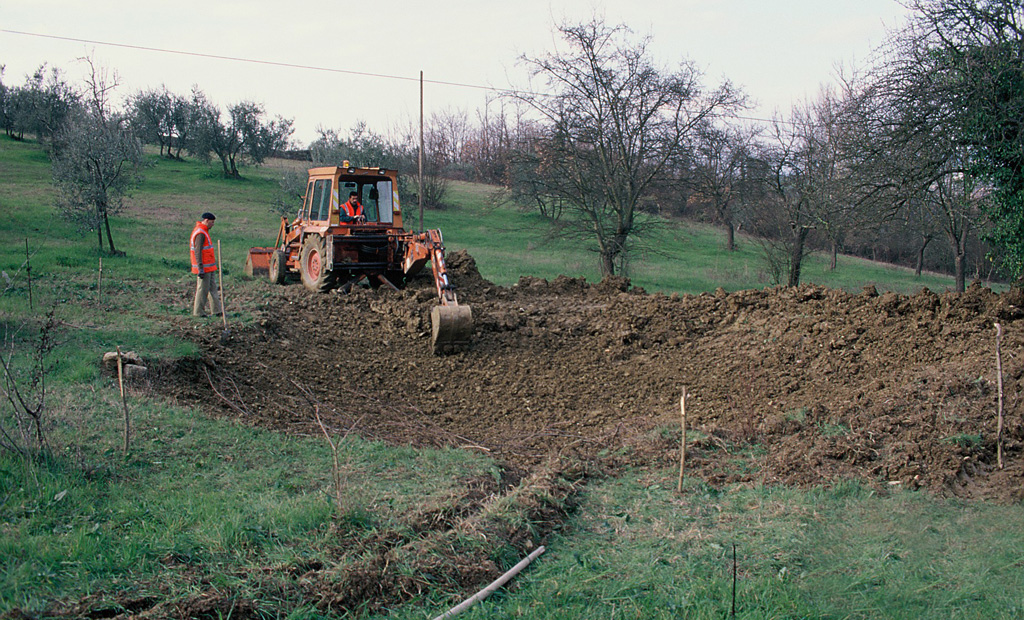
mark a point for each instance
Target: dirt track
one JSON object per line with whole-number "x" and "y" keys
{"x": 798, "y": 386}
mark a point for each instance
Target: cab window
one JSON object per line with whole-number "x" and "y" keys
{"x": 375, "y": 196}
{"x": 320, "y": 205}
{"x": 304, "y": 210}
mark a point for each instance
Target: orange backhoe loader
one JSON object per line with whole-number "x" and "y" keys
{"x": 327, "y": 251}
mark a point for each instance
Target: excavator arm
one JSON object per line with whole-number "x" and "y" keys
{"x": 451, "y": 325}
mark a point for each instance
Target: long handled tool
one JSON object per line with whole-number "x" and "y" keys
{"x": 224, "y": 335}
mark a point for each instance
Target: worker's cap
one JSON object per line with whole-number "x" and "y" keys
{"x": 209, "y": 216}
{"x": 353, "y": 194}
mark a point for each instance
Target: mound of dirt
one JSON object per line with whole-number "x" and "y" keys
{"x": 801, "y": 386}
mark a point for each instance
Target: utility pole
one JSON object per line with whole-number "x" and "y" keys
{"x": 421, "y": 152}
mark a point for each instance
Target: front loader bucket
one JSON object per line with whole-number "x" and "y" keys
{"x": 258, "y": 261}
{"x": 450, "y": 328}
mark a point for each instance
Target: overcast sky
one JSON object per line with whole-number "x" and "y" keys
{"x": 778, "y": 51}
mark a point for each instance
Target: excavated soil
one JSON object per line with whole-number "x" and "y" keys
{"x": 803, "y": 386}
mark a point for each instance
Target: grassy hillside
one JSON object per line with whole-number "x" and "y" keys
{"x": 211, "y": 514}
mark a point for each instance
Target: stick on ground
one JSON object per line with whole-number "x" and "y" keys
{"x": 999, "y": 382}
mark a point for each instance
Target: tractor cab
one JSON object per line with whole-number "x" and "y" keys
{"x": 329, "y": 187}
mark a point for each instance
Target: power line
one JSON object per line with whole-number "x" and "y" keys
{"x": 288, "y": 65}
{"x": 250, "y": 60}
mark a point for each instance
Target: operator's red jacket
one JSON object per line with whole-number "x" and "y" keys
{"x": 352, "y": 212}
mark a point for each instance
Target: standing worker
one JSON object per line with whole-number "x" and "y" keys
{"x": 204, "y": 263}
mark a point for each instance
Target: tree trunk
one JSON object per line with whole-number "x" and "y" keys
{"x": 957, "y": 243}
{"x": 607, "y": 263}
{"x": 110, "y": 238}
{"x": 224, "y": 164}
{"x": 920, "y": 256}
{"x": 796, "y": 255}
{"x": 834, "y": 262}
{"x": 730, "y": 236}
{"x": 961, "y": 278}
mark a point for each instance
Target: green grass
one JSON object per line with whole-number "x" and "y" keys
{"x": 639, "y": 550}
{"x": 220, "y": 498}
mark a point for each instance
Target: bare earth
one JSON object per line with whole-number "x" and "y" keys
{"x": 813, "y": 385}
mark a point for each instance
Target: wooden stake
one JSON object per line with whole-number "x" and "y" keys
{"x": 733, "y": 613}
{"x": 999, "y": 383}
{"x": 220, "y": 285}
{"x": 28, "y": 273}
{"x": 682, "y": 445}
{"x": 124, "y": 401}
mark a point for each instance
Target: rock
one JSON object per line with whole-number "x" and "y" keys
{"x": 134, "y": 372}
{"x": 131, "y": 358}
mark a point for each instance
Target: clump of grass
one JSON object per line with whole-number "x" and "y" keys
{"x": 797, "y": 415}
{"x": 832, "y": 429}
{"x": 967, "y": 441}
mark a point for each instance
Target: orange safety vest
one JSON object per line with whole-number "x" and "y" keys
{"x": 352, "y": 212}
{"x": 205, "y": 251}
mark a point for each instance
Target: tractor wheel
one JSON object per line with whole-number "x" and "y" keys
{"x": 316, "y": 273}
{"x": 278, "y": 267}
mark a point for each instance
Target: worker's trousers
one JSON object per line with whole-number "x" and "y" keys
{"x": 206, "y": 288}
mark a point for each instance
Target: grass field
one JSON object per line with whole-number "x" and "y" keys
{"x": 206, "y": 505}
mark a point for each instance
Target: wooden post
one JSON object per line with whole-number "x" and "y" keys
{"x": 99, "y": 281}
{"x": 733, "y": 613}
{"x": 999, "y": 383}
{"x": 124, "y": 401}
{"x": 28, "y": 273}
{"x": 220, "y": 286}
{"x": 682, "y": 445}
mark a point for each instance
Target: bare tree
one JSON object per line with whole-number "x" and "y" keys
{"x": 615, "y": 122}
{"x": 23, "y": 386}
{"x": 953, "y": 201}
{"x": 96, "y": 160}
{"x": 438, "y": 151}
{"x": 503, "y": 131}
{"x": 717, "y": 172}
{"x": 810, "y": 177}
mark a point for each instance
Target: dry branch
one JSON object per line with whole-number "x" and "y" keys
{"x": 222, "y": 397}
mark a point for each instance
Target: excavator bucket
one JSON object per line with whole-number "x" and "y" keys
{"x": 450, "y": 327}
{"x": 258, "y": 261}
